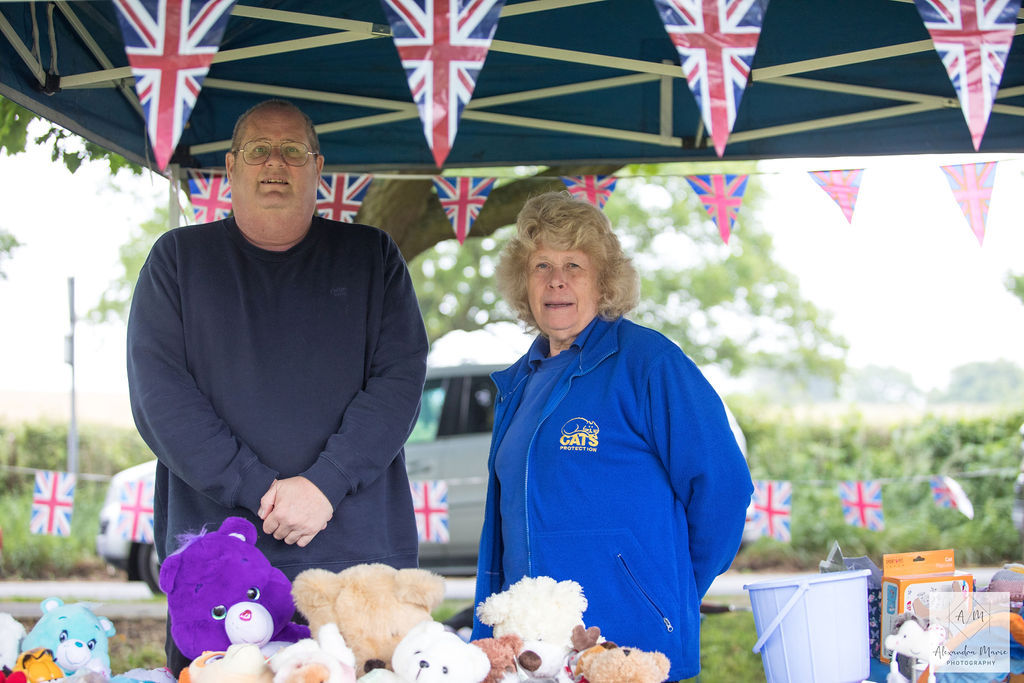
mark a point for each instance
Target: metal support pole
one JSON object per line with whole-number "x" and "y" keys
{"x": 173, "y": 205}
{"x": 69, "y": 358}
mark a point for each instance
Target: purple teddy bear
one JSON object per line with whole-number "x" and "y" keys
{"x": 222, "y": 590}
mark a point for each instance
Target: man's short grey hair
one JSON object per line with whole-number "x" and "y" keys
{"x": 283, "y": 105}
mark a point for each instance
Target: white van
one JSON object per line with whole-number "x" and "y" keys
{"x": 450, "y": 443}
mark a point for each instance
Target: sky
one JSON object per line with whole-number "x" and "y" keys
{"x": 906, "y": 282}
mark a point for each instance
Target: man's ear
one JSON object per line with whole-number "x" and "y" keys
{"x": 229, "y": 164}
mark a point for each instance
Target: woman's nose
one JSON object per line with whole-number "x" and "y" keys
{"x": 557, "y": 278}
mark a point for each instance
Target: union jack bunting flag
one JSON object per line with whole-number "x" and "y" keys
{"x": 442, "y": 45}
{"x": 947, "y": 493}
{"x": 722, "y": 196}
{"x": 210, "y": 194}
{"x": 135, "y": 518}
{"x": 596, "y": 189}
{"x": 170, "y": 45}
{"x": 462, "y": 199}
{"x": 973, "y": 38}
{"x": 430, "y": 503}
{"x": 769, "y": 513}
{"x": 716, "y": 41}
{"x": 972, "y": 189}
{"x": 862, "y": 504}
{"x": 339, "y": 195}
{"x": 842, "y": 187}
{"x": 52, "y": 502}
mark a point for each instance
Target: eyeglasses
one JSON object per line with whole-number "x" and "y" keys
{"x": 256, "y": 152}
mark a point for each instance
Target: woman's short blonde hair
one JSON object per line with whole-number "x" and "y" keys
{"x": 555, "y": 220}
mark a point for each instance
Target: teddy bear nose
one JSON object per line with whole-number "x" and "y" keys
{"x": 246, "y": 615}
{"x": 424, "y": 664}
{"x": 530, "y": 660}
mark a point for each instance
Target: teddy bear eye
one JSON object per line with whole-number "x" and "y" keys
{"x": 92, "y": 644}
{"x": 63, "y": 636}
{"x": 219, "y": 612}
{"x": 253, "y": 593}
{"x": 444, "y": 670}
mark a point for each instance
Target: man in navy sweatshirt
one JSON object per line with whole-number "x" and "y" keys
{"x": 275, "y": 365}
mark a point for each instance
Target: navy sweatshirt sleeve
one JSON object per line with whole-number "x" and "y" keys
{"x": 173, "y": 416}
{"x": 382, "y": 414}
{"x": 246, "y": 365}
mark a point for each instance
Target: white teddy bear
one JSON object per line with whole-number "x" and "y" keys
{"x": 541, "y": 611}
{"x": 12, "y": 632}
{"x": 329, "y": 656}
{"x": 429, "y": 653}
{"x": 923, "y": 645}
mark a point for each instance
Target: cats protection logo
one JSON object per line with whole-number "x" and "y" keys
{"x": 579, "y": 434}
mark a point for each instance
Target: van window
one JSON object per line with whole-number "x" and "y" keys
{"x": 431, "y": 405}
{"x": 480, "y": 412}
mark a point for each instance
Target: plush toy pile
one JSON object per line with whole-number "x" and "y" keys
{"x": 231, "y": 611}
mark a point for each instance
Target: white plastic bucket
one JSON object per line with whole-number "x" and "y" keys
{"x": 813, "y": 628}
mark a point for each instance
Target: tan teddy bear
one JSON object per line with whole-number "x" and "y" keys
{"x": 622, "y": 664}
{"x": 374, "y": 606}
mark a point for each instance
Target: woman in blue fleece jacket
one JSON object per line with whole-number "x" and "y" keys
{"x": 612, "y": 462}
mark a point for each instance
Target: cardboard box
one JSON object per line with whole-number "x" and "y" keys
{"x": 908, "y": 578}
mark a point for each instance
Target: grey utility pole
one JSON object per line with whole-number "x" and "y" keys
{"x": 69, "y": 358}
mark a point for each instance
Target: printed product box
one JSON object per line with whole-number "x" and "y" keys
{"x": 908, "y": 579}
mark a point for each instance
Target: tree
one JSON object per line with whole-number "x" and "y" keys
{"x": 1015, "y": 283}
{"x": 731, "y": 306}
{"x": 70, "y": 149}
{"x": 999, "y": 381}
{"x": 877, "y": 384}
{"x": 116, "y": 301}
{"x": 7, "y": 246}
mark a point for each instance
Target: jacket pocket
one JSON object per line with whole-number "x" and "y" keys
{"x": 645, "y": 595}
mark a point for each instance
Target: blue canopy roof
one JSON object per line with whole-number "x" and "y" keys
{"x": 565, "y": 82}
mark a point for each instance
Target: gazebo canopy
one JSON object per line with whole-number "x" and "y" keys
{"x": 564, "y": 82}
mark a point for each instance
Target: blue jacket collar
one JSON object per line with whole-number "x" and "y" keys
{"x": 598, "y": 340}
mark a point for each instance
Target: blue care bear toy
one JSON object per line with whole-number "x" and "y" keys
{"x": 76, "y": 636}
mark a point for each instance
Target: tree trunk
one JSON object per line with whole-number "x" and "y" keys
{"x": 411, "y": 213}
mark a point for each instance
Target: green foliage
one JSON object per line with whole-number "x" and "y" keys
{"x": 815, "y": 456}
{"x": 455, "y": 285}
{"x": 27, "y": 555}
{"x": 876, "y": 384}
{"x": 1015, "y": 283}
{"x": 66, "y": 147}
{"x": 103, "y": 450}
{"x": 14, "y": 122}
{"x": 7, "y": 246}
{"x": 732, "y": 306}
{"x": 999, "y": 381}
{"x": 115, "y": 303}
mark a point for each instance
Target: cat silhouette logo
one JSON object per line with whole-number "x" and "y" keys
{"x": 579, "y": 434}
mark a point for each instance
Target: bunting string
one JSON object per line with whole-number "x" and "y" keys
{"x": 339, "y": 195}
{"x": 770, "y": 510}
